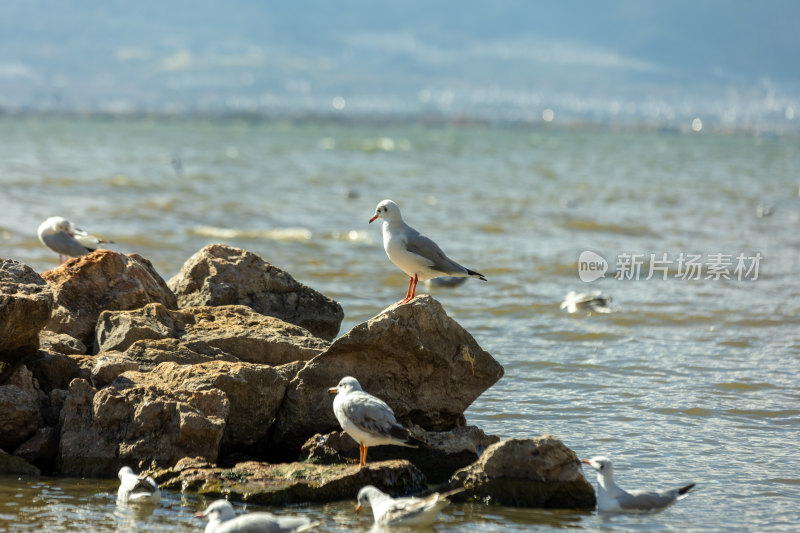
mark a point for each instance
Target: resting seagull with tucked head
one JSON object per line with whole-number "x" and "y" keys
{"x": 369, "y": 420}
{"x": 612, "y": 498}
{"x": 136, "y": 489}
{"x": 416, "y": 255}
{"x": 64, "y": 238}
{"x": 409, "y": 511}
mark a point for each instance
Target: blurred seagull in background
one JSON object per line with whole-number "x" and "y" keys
{"x": 416, "y": 255}
{"x": 369, "y": 420}
{"x": 586, "y": 301}
{"x": 611, "y": 498}
{"x": 64, "y": 238}
{"x": 136, "y": 488}
{"x": 410, "y": 511}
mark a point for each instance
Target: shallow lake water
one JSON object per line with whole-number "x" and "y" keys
{"x": 687, "y": 380}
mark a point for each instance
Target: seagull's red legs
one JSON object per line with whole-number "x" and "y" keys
{"x": 412, "y": 290}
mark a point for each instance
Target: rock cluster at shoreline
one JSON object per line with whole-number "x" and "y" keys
{"x": 217, "y": 382}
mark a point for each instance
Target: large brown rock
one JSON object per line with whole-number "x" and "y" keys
{"x": 19, "y": 416}
{"x": 223, "y": 275}
{"x": 539, "y": 472}
{"x": 289, "y": 483}
{"x": 85, "y": 286}
{"x": 55, "y": 370}
{"x": 25, "y": 304}
{"x": 146, "y": 423}
{"x": 254, "y": 393}
{"x": 151, "y": 353}
{"x": 414, "y": 357}
{"x": 232, "y": 329}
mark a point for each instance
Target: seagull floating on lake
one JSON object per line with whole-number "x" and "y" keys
{"x": 137, "y": 488}
{"x": 64, "y": 238}
{"x": 222, "y": 519}
{"x": 586, "y": 301}
{"x": 369, "y": 420}
{"x": 614, "y": 499}
{"x": 416, "y": 255}
{"x": 409, "y": 511}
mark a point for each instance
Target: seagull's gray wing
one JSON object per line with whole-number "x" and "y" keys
{"x": 424, "y": 247}
{"x": 63, "y": 243}
{"x": 372, "y": 415}
{"x": 264, "y": 523}
{"x": 145, "y": 484}
{"x": 647, "y": 500}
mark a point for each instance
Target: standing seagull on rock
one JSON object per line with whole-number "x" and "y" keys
{"x": 415, "y": 254}
{"x": 366, "y": 418}
{"x": 614, "y": 499}
{"x": 64, "y": 238}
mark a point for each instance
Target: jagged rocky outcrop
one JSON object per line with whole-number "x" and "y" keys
{"x": 102, "y": 280}
{"x": 25, "y": 304}
{"x": 137, "y": 423}
{"x": 223, "y": 275}
{"x": 231, "y": 329}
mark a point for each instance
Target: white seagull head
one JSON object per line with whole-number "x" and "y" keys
{"x": 54, "y": 225}
{"x": 219, "y": 511}
{"x": 602, "y": 465}
{"x": 387, "y": 210}
{"x": 125, "y": 471}
{"x": 346, "y": 385}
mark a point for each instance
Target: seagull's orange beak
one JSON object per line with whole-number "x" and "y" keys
{"x": 373, "y": 219}
{"x": 587, "y": 461}
{"x": 358, "y": 508}
{"x": 333, "y": 390}
{"x": 199, "y": 514}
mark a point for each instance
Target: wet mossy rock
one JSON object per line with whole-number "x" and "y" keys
{"x": 289, "y": 483}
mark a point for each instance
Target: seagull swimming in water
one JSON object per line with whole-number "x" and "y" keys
{"x": 64, "y": 238}
{"x": 593, "y": 301}
{"x": 369, "y": 420}
{"x": 612, "y": 498}
{"x": 410, "y": 511}
{"x": 136, "y": 488}
{"x": 222, "y": 519}
{"x": 416, "y": 255}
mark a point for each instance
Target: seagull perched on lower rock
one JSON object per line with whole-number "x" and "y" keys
{"x": 369, "y": 420}
{"x": 64, "y": 238}
{"x": 409, "y": 511}
{"x": 222, "y": 519}
{"x": 416, "y": 255}
{"x": 612, "y": 498}
{"x": 136, "y": 488}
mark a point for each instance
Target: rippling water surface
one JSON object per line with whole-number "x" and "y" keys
{"x": 687, "y": 380}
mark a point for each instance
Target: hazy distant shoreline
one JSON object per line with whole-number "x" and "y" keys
{"x": 422, "y": 119}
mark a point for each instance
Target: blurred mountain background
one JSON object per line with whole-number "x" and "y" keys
{"x": 733, "y": 64}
